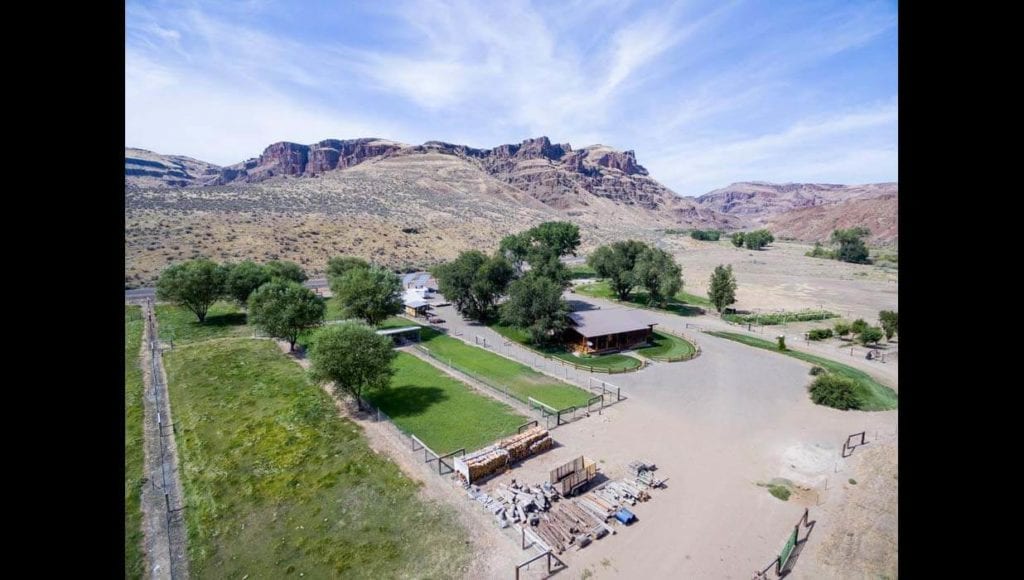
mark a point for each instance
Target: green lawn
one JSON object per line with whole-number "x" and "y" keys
{"x": 683, "y": 303}
{"x": 334, "y": 309}
{"x": 442, "y": 412}
{"x": 521, "y": 381}
{"x": 873, "y": 395}
{"x": 582, "y": 271}
{"x": 396, "y": 322}
{"x": 306, "y": 336}
{"x": 278, "y": 485}
{"x": 773, "y": 318}
{"x": 133, "y": 443}
{"x": 613, "y": 362}
{"x": 224, "y": 319}
{"x": 667, "y": 346}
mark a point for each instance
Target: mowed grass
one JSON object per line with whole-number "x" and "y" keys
{"x": 667, "y": 346}
{"x": 873, "y": 395}
{"x": 582, "y": 271}
{"x": 335, "y": 310}
{"x": 133, "y": 443}
{"x": 442, "y": 412}
{"x": 278, "y": 485}
{"x": 305, "y": 338}
{"x": 223, "y": 320}
{"x": 521, "y": 381}
{"x": 683, "y": 303}
{"x": 614, "y": 362}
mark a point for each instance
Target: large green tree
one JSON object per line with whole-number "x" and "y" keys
{"x": 890, "y": 320}
{"x": 616, "y": 263}
{"x": 287, "y": 270}
{"x": 195, "y": 285}
{"x": 284, "y": 308}
{"x": 722, "y": 288}
{"x": 535, "y": 303}
{"x": 658, "y": 272}
{"x": 338, "y": 266}
{"x": 370, "y": 294}
{"x": 561, "y": 238}
{"x": 353, "y": 357}
{"x": 243, "y": 279}
{"x": 542, "y": 247}
{"x": 474, "y": 282}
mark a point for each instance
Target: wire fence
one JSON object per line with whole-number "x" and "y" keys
{"x": 173, "y": 518}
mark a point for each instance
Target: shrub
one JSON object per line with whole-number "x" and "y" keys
{"x": 782, "y": 342}
{"x": 779, "y": 491}
{"x": 835, "y": 391}
{"x": 820, "y": 252}
{"x": 842, "y": 328}
{"x": 870, "y": 335}
{"x": 706, "y": 235}
{"x": 815, "y": 371}
{"x": 737, "y": 239}
{"x": 858, "y": 326}
{"x": 819, "y": 334}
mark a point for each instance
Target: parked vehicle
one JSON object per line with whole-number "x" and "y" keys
{"x": 436, "y": 320}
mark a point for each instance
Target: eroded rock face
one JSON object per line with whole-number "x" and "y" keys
{"x": 551, "y": 172}
{"x": 306, "y": 160}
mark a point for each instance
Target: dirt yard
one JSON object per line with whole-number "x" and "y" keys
{"x": 782, "y": 277}
{"x": 717, "y": 426}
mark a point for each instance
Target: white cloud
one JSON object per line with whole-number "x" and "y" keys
{"x": 854, "y": 147}
{"x": 170, "y": 113}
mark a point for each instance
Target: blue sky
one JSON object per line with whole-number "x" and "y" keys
{"x": 706, "y": 93}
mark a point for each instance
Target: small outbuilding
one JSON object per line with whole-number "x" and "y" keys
{"x": 608, "y": 330}
{"x": 416, "y": 307}
{"x": 404, "y": 334}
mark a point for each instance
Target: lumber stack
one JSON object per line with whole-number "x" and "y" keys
{"x": 498, "y": 456}
{"x": 519, "y": 445}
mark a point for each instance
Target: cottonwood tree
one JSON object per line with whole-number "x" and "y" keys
{"x": 658, "y": 272}
{"x": 542, "y": 247}
{"x": 338, "y": 266}
{"x": 369, "y": 294}
{"x": 243, "y": 279}
{"x": 287, "y": 270}
{"x": 353, "y": 357}
{"x": 474, "y": 282}
{"x": 890, "y": 323}
{"x": 284, "y": 308}
{"x": 722, "y": 288}
{"x": 535, "y": 303}
{"x": 616, "y": 263}
{"x": 194, "y": 285}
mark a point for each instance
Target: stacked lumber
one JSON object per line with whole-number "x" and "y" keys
{"x": 519, "y": 445}
{"x": 485, "y": 461}
{"x": 498, "y": 456}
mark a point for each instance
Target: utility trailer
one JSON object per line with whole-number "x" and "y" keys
{"x": 573, "y": 476}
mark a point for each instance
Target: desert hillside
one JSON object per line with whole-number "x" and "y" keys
{"x": 411, "y": 206}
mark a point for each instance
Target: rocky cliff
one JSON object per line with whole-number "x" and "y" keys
{"x": 555, "y": 174}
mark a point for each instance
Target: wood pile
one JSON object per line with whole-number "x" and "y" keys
{"x": 494, "y": 458}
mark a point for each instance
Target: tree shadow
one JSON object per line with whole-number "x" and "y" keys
{"x": 408, "y": 400}
{"x": 580, "y": 305}
{"x": 682, "y": 309}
